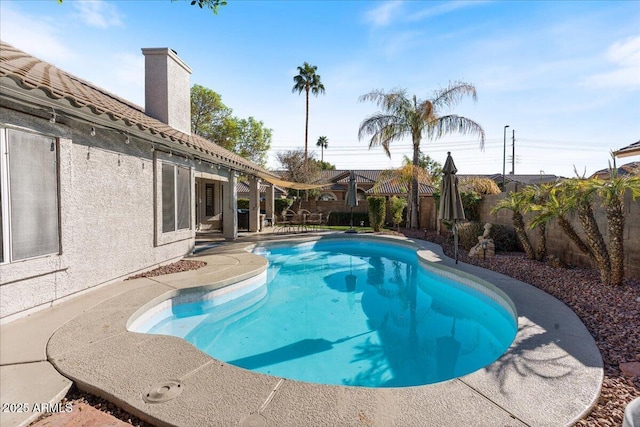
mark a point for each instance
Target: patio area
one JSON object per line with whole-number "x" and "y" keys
{"x": 550, "y": 376}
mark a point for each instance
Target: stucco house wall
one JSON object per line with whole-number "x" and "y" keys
{"x": 101, "y": 220}
{"x": 107, "y": 217}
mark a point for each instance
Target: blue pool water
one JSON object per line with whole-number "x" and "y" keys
{"x": 348, "y": 312}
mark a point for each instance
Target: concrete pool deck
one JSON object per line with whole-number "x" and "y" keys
{"x": 550, "y": 376}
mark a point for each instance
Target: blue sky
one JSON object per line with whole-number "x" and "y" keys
{"x": 564, "y": 75}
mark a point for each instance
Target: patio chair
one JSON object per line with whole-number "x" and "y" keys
{"x": 283, "y": 222}
{"x": 314, "y": 220}
{"x": 298, "y": 220}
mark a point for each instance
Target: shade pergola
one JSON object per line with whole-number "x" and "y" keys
{"x": 289, "y": 184}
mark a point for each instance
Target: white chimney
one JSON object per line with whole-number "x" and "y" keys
{"x": 167, "y": 88}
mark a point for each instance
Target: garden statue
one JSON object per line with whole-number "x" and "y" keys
{"x": 485, "y": 247}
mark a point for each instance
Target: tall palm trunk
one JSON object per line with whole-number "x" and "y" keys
{"x": 306, "y": 144}
{"x": 615, "y": 219}
{"x": 306, "y": 131}
{"x": 414, "y": 181}
{"x": 595, "y": 241}
{"x": 541, "y": 249}
{"x": 518, "y": 224}
{"x": 568, "y": 229}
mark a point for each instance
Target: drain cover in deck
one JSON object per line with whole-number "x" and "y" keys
{"x": 253, "y": 420}
{"x": 163, "y": 392}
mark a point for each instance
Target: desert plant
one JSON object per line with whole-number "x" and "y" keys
{"x": 611, "y": 193}
{"x": 377, "y": 212}
{"x": 516, "y": 202}
{"x": 397, "y": 205}
{"x": 537, "y": 195}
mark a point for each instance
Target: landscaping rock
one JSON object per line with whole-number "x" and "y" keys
{"x": 630, "y": 369}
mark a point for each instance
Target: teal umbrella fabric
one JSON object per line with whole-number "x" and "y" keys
{"x": 451, "y": 208}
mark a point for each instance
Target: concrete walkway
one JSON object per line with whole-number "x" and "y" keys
{"x": 550, "y": 376}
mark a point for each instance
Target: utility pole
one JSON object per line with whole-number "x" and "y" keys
{"x": 513, "y": 152}
{"x": 504, "y": 155}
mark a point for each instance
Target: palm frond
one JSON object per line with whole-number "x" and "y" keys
{"x": 456, "y": 124}
{"x": 453, "y": 94}
{"x": 384, "y": 129}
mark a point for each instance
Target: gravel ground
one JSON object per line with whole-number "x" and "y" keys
{"x": 611, "y": 314}
{"x": 176, "y": 267}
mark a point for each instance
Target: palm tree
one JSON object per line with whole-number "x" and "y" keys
{"x": 556, "y": 205}
{"x": 323, "y": 143}
{"x": 611, "y": 193}
{"x": 517, "y": 202}
{"x": 537, "y": 195}
{"x": 309, "y": 81}
{"x": 402, "y": 117}
{"x": 580, "y": 195}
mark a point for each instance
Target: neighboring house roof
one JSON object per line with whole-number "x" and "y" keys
{"x": 632, "y": 168}
{"x": 390, "y": 187}
{"x": 31, "y": 74}
{"x": 242, "y": 187}
{"x": 523, "y": 179}
{"x": 342, "y": 175}
{"x": 629, "y": 150}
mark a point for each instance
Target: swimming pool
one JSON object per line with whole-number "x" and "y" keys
{"x": 346, "y": 311}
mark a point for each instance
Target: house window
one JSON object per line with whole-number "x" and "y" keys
{"x": 29, "y": 217}
{"x": 208, "y": 206}
{"x": 326, "y": 197}
{"x": 176, "y": 198}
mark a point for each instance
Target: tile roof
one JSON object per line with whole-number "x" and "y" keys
{"x": 524, "y": 179}
{"x": 629, "y": 150}
{"x": 30, "y": 73}
{"x": 632, "y": 168}
{"x": 243, "y": 187}
{"x": 391, "y": 187}
{"x": 342, "y": 175}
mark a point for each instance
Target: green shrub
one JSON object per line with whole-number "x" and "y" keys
{"x": 281, "y": 205}
{"x": 344, "y": 218}
{"x": 503, "y": 237}
{"x": 243, "y": 203}
{"x": 377, "y": 211}
{"x": 471, "y": 203}
{"x": 397, "y": 205}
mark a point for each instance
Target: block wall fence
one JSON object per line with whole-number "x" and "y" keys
{"x": 559, "y": 244}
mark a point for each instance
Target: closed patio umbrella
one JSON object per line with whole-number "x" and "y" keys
{"x": 451, "y": 208}
{"x": 352, "y": 197}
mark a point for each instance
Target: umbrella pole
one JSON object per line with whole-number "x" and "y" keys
{"x": 455, "y": 239}
{"x": 351, "y": 222}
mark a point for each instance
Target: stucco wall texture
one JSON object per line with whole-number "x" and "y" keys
{"x": 107, "y": 218}
{"x": 560, "y": 245}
